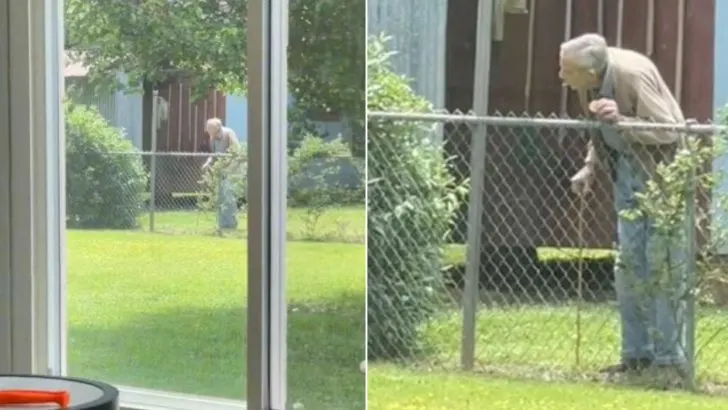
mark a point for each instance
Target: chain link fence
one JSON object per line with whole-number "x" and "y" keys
{"x": 173, "y": 193}
{"x": 481, "y": 257}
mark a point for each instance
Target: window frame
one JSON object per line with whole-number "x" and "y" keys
{"x": 32, "y": 219}
{"x": 267, "y": 36}
{"x": 6, "y": 353}
{"x": 26, "y": 220}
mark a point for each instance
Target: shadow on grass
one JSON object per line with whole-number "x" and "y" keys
{"x": 201, "y": 351}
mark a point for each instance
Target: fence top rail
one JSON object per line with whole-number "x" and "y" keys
{"x": 198, "y": 154}
{"x": 169, "y": 154}
{"x": 690, "y": 126}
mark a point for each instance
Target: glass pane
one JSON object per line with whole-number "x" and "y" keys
{"x": 326, "y": 223}
{"x": 413, "y": 197}
{"x": 156, "y": 224}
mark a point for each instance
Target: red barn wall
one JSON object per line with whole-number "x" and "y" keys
{"x": 184, "y": 132}
{"x": 185, "y": 128}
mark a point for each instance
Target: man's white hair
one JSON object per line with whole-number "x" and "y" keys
{"x": 214, "y": 122}
{"x": 589, "y": 51}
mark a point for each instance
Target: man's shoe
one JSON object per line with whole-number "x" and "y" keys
{"x": 628, "y": 366}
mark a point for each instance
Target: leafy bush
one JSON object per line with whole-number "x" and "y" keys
{"x": 412, "y": 199}
{"x": 316, "y": 174}
{"x": 321, "y": 175}
{"x": 105, "y": 181}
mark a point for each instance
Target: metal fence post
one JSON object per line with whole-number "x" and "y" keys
{"x": 477, "y": 176}
{"x": 153, "y": 164}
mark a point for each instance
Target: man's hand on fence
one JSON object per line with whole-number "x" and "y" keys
{"x": 582, "y": 181}
{"x": 605, "y": 109}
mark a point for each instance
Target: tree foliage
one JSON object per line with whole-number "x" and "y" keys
{"x": 158, "y": 41}
{"x": 203, "y": 41}
{"x": 327, "y": 60}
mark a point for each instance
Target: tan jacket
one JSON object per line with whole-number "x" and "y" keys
{"x": 641, "y": 95}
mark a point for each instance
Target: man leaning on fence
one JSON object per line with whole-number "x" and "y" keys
{"x": 619, "y": 85}
{"x": 222, "y": 139}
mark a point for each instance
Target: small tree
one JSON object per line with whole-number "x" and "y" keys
{"x": 673, "y": 201}
{"x": 231, "y": 166}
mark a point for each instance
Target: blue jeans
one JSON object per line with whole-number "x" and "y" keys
{"x": 650, "y": 282}
{"x": 228, "y": 206}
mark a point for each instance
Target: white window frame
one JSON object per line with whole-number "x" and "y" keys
{"x": 27, "y": 225}
{"x": 267, "y": 36}
{"x": 32, "y": 198}
{"x": 6, "y": 302}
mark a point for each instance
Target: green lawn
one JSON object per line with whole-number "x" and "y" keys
{"x": 396, "y": 389}
{"x": 333, "y": 225}
{"x": 528, "y": 339}
{"x": 534, "y": 343}
{"x": 167, "y": 312}
{"x": 540, "y": 341}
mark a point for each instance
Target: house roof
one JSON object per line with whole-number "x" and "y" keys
{"x": 72, "y": 66}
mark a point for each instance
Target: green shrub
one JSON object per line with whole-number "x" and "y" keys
{"x": 317, "y": 174}
{"x": 412, "y": 199}
{"x": 105, "y": 189}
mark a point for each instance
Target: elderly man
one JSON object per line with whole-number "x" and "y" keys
{"x": 221, "y": 140}
{"x": 618, "y": 85}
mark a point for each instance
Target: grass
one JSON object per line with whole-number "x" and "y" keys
{"x": 391, "y": 388}
{"x": 540, "y": 341}
{"x": 344, "y": 224}
{"x": 535, "y": 343}
{"x": 168, "y": 312}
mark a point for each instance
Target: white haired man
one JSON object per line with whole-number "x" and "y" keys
{"x": 619, "y": 85}
{"x": 221, "y": 140}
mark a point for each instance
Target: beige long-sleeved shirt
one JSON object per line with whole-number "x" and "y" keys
{"x": 221, "y": 144}
{"x": 641, "y": 95}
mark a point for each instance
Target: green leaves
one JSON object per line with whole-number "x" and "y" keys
{"x": 675, "y": 202}
{"x": 327, "y": 55}
{"x": 159, "y": 41}
{"x": 231, "y": 166}
{"x": 411, "y": 202}
{"x": 667, "y": 196}
{"x": 106, "y": 180}
{"x": 203, "y": 41}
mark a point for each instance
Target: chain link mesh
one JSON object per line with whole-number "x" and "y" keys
{"x": 546, "y": 300}
{"x": 178, "y": 195}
